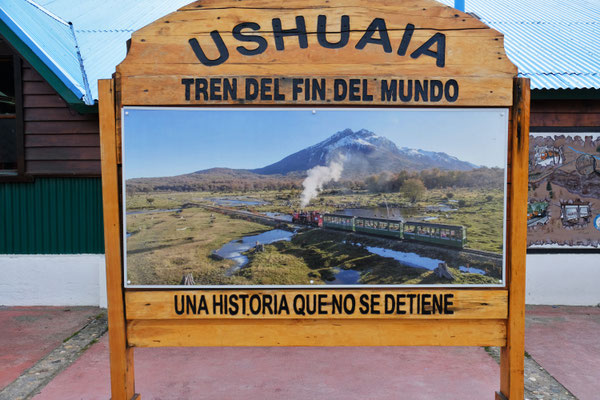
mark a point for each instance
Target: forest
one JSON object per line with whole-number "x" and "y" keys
{"x": 228, "y": 180}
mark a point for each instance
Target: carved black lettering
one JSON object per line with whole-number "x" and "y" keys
{"x": 299, "y": 304}
{"x": 215, "y": 89}
{"x": 223, "y": 52}
{"x": 276, "y": 95}
{"x": 279, "y": 33}
{"x": 448, "y": 303}
{"x": 178, "y": 310}
{"x": 377, "y": 25}
{"x": 349, "y": 304}
{"x": 259, "y": 40}
{"x": 354, "y": 90}
{"x": 230, "y": 89}
{"x": 438, "y": 39}
{"x": 318, "y": 89}
{"x": 437, "y": 305}
{"x": 188, "y": 82}
{"x": 255, "y": 304}
{"x": 311, "y": 310}
{"x": 425, "y": 304}
{"x": 190, "y": 303}
{"x": 389, "y": 90}
{"x": 265, "y": 89}
{"x": 307, "y": 89}
{"x": 336, "y": 304}
{"x": 283, "y": 306}
{"x": 201, "y": 87}
{"x": 375, "y": 304}
{"x": 321, "y": 303}
{"x": 233, "y": 305}
{"x": 421, "y": 90}
{"x": 340, "y": 89}
{"x": 267, "y": 304}
{"x": 251, "y": 89}
{"x": 202, "y": 306}
{"x": 218, "y": 304}
{"x": 409, "y": 90}
{"x": 451, "y": 85}
{"x": 388, "y": 304}
{"x": 364, "y": 304}
{"x": 296, "y": 88}
{"x": 436, "y": 90}
{"x": 322, "y": 32}
{"x": 411, "y": 297}
{"x": 365, "y": 91}
{"x": 400, "y": 304}
{"x": 244, "y": 297}
{"x": 406, "y": 37}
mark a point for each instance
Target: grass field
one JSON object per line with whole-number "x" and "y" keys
{"x": 164, "y": 246}
{"x": 480, "y": 211}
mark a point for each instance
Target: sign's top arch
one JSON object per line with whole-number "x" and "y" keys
{"x": 412, "y": 52}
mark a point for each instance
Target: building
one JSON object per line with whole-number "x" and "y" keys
{"x": 52, "y": 53}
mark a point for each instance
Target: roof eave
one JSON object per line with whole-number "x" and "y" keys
{"x": 565, "y": 94}
{"x": 53, "y": 76}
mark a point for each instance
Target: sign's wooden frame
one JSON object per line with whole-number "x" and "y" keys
{"x": 482, "y": 317}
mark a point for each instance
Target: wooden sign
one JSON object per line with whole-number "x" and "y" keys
{"x": 414, "y": 53}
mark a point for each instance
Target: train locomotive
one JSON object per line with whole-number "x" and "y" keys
{"x": 441, "y": 234}
{"x": 312, "y": 218}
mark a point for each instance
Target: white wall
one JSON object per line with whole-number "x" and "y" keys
{"x": 80, "y": 280}
{"x": 52, "y": 280}
{"x": 565, "y": 279}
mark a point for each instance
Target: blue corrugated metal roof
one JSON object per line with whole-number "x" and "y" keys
{"x": 555, "y": 43}
{"x": 50, "y": 37}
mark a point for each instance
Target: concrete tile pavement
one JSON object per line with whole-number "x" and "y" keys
{"x": 564, "y": 340}
{"x": 288, "y": 373}
{"x": 29, "y": 333}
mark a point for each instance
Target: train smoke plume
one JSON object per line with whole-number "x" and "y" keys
{"x": 319, "y": 176}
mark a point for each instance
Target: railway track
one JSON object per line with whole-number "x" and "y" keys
{"x": 275, "y": 221}
{"x": 481, "y": 253}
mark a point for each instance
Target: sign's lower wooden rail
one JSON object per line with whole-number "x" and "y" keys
{"x": 387, "y": 304}
{"x": 316, "y": 332}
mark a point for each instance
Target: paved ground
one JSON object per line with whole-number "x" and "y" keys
{"x": 566, "y": 342}
{"x": 29, "y": 333}
{"x": 288, "y": 373}
{"x": 563, "y": 341}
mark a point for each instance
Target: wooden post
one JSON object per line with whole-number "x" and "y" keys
{"x": 512, "y": 357}
{"x": 121, "y": 356}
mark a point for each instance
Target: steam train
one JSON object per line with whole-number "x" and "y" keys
{"x": 441, "y": 234}
{"x": 312, "y": 218}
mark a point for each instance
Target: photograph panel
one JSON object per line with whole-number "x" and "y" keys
{"x": 323, "y": 197}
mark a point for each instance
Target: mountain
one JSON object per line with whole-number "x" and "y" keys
{"x": 364, "y": 153}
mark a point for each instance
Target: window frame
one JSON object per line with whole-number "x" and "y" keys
{"x": 20, "y": 175}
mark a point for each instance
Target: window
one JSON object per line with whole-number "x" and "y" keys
{"x": 11, "y": 126}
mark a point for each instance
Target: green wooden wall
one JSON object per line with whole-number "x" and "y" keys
{"x": 51, "y": 216}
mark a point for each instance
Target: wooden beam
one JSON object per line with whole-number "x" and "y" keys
{"x": 465, "y": 304}
{"x": 164, "y": 333}
{"x": 121, "y": 356}
{"x": 512, "y": 356}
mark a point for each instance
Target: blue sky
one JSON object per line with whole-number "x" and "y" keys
{"x": 166, "y": 142}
